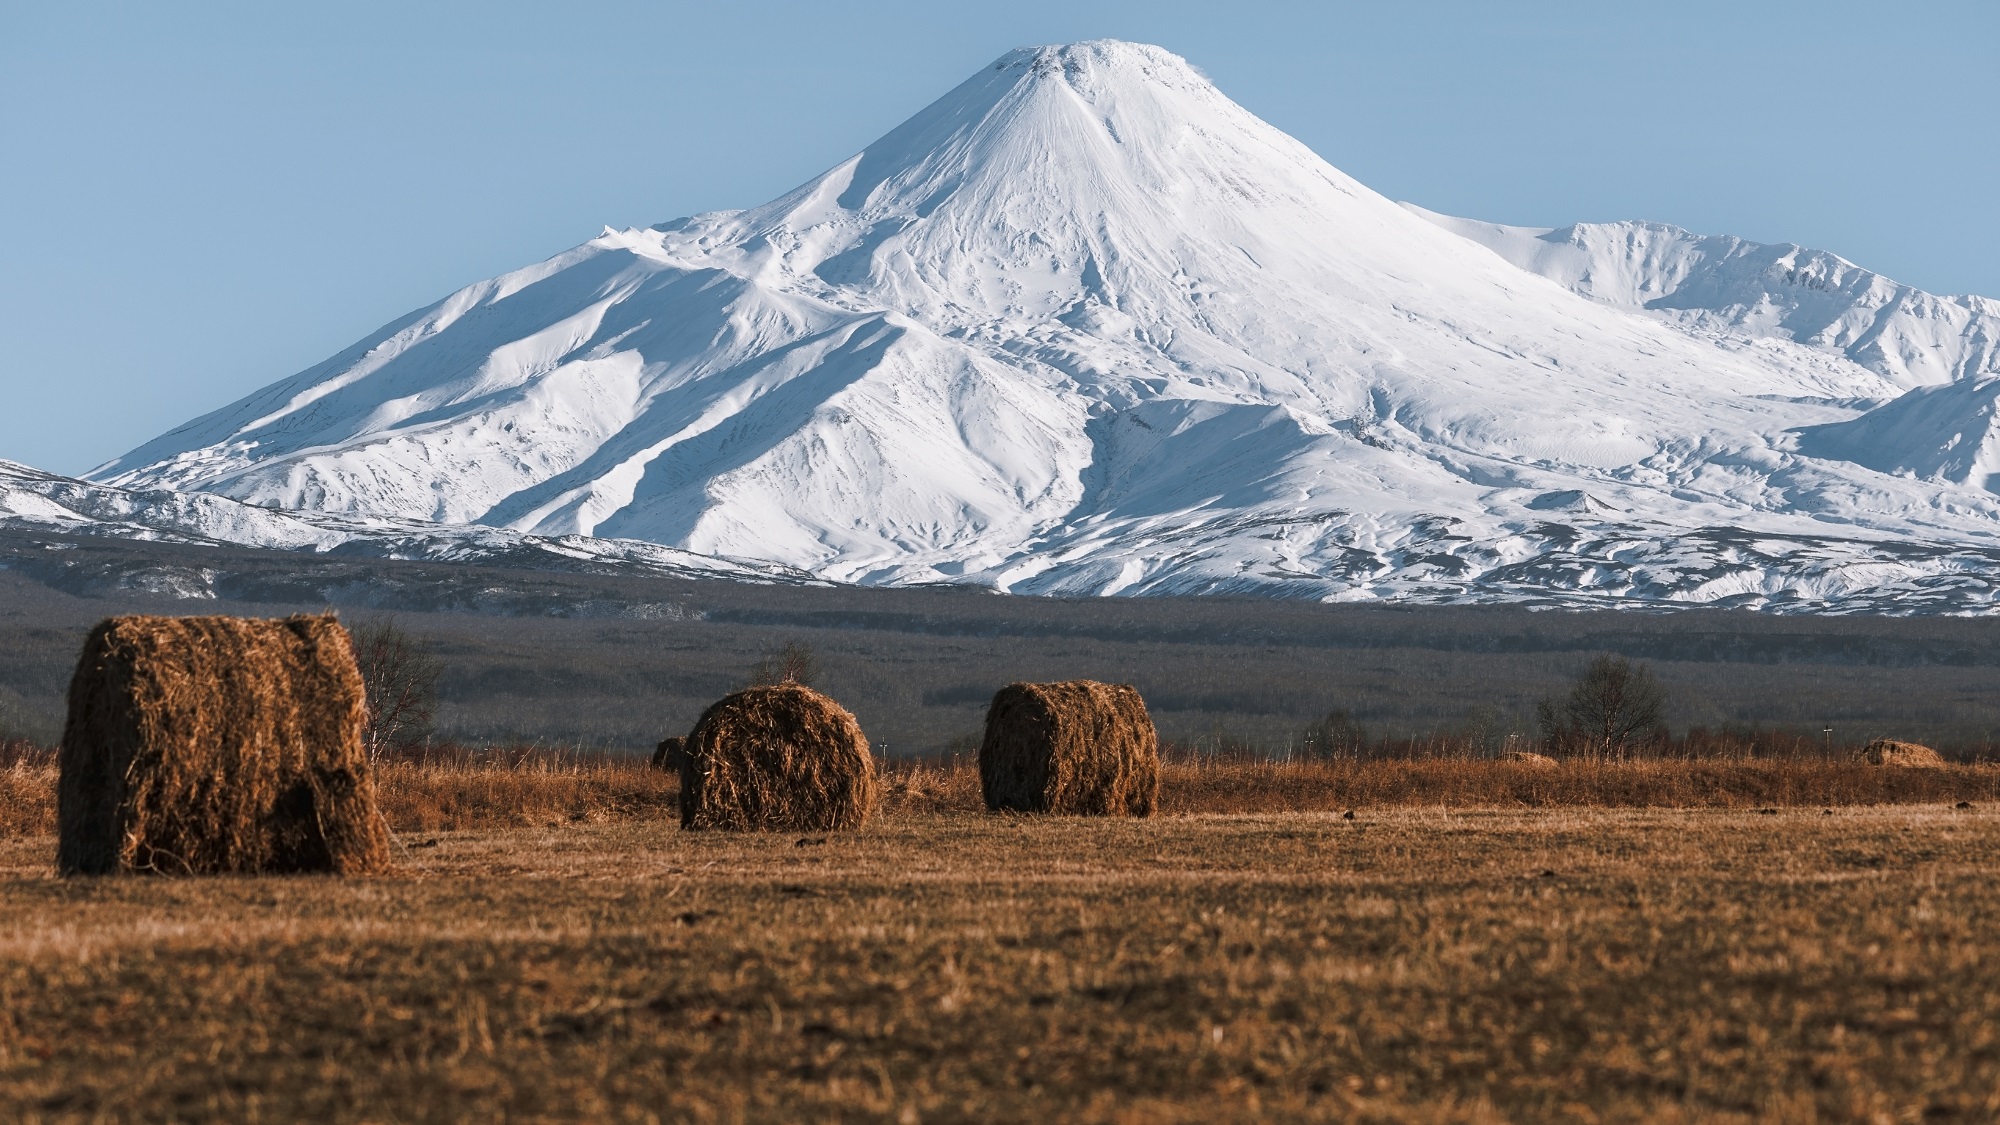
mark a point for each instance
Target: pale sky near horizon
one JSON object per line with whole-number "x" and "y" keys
{"x": 199, "y": 199}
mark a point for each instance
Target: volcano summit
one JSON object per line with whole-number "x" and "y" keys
{"x": 1084, "y": 325}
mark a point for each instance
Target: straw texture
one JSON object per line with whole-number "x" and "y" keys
{"x": 1889, "y": 752}
{"x": 780, "y": 757}
{"x": 200, "y": 745}
{"x": 1076, "y": 747}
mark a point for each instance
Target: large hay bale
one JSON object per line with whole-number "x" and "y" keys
{"x": 1077, "y": 747}
{"x": 779, "y": 757}
{"x": 201, "y": 745}
{"x": 1889, "y": 752}
{"x": 1529, "y": 758}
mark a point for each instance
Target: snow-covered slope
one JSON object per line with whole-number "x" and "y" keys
{"x": 1725, "y": 285}
{"x": 1579, "y": 553}
{"x": 1943, "y": 433}
{"x": 35, "y": 501}
{"x": 1084, "y": 325}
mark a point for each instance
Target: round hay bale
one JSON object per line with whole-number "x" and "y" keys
{"x": 1913, "y": 755}
{"x": 1529, "y": 758}
{"x": 779, "y": 757}
{"x": 1077, "y": 747}
{"x": 670, "y": 753}
{"x": 202, "y": 745}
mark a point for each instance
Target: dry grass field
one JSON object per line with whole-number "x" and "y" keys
{"x": 524, "y": 787}
{"x": 1747, "y": 926}
{"x": 552, "y": 947}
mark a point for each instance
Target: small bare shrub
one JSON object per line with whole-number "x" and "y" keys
{"x": 1613, "y": 706}
{"x": 401, "y": 678}
{"x": 794, "y": 663}
{"x": 1335, "y": 736}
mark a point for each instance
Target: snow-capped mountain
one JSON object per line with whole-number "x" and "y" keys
{"x": 1085, "y": 325}
{"x": 1725, "y": 286}
{"x": 38, "y": 502}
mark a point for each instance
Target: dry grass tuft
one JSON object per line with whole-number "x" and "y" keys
{"x": 913, "y": 786}
{"x": 1077, "y": 747}
{"x": 27, "y": 789}
{"x": 202, "y": 745}
{"x": 1255, "y": 787}
{"x": 1910, "y": 755}
{"x": 455, "y": 788}
{"x": 778, "y": 757}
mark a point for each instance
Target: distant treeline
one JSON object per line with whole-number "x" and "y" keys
{"x": 917, "y": 667}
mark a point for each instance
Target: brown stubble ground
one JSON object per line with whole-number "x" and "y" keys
{"x": 1409, "y": 965}
{"x": 531, "y": 788}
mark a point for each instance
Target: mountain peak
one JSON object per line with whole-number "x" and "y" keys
{"x": 1101, "y": 62}
{"x": 1082, "y": 325}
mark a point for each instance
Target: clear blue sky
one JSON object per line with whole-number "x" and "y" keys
{"x": 199, "y": 198}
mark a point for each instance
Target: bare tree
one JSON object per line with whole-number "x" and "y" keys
{"x": 795, "y": 663}
{"x": 1479, "y": 728}
{"x": 1335, "y": 736}
{"x": 1612, "y": 705}
{"x": 401, "y": 678}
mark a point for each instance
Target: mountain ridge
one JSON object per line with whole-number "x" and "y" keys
{"x": 1723, "y": 283}
{"x": 35, "y": 501}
